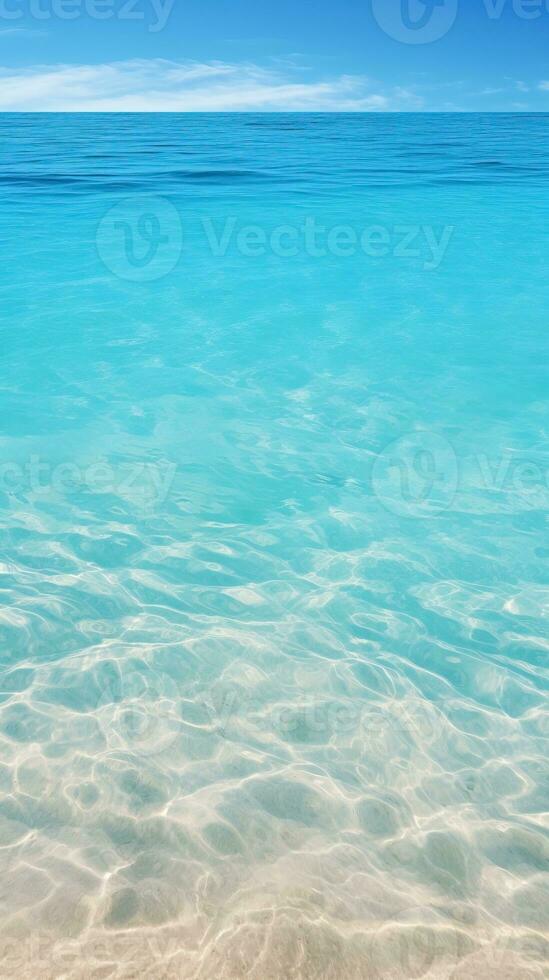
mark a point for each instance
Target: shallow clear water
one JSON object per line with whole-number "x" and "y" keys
{"x": 273, "y": 580}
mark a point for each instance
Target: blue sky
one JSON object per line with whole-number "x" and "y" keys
{"x": 393, "y": 55}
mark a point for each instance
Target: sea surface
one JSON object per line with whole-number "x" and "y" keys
{"x": 274, "y": 579}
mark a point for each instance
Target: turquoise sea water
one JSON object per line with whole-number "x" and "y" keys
{"x": 273, "y": 561}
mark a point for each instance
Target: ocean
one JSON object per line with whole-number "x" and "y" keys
{"x": 273, "y": 563}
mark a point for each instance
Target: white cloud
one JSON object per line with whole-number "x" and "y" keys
{"x": 158, "y": 85}
{"x": 407, "y": 97}
{"x": 9, "y": 31}
{"x": 544, "y": 86}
